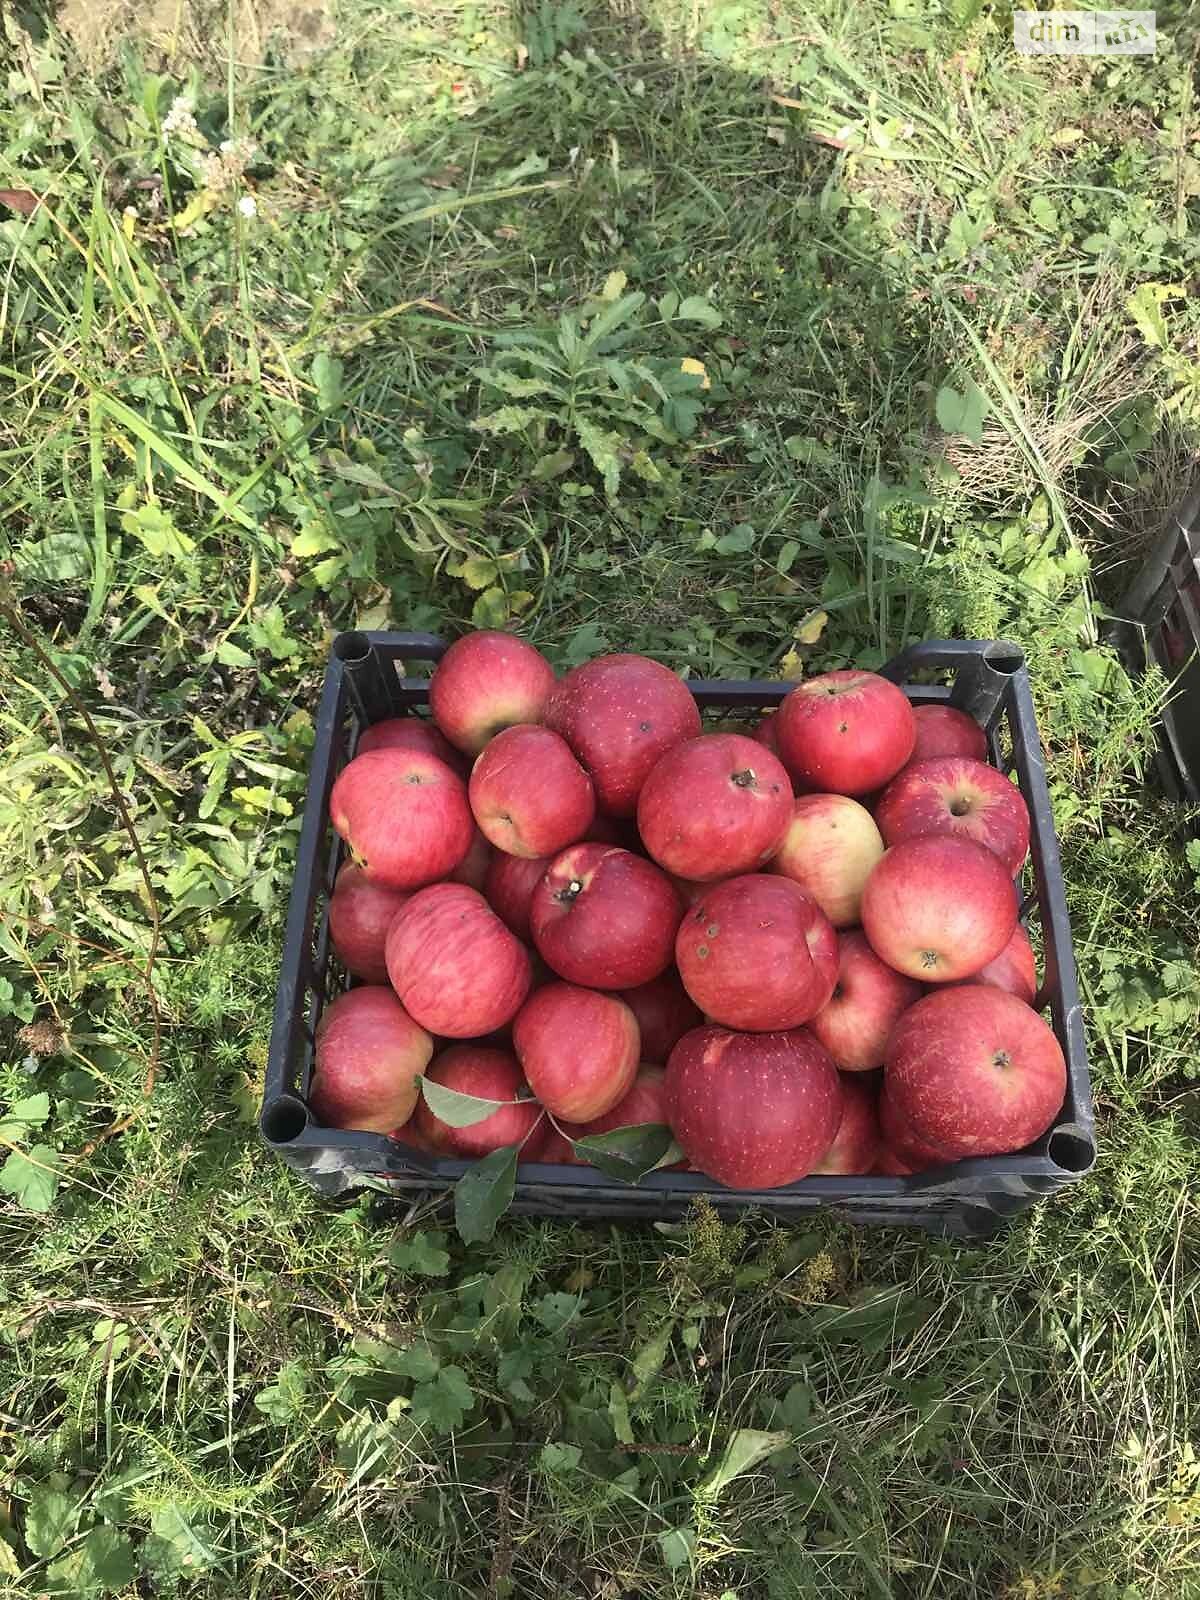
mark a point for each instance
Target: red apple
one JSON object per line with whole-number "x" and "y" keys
{"x": 756, "y": 953}
{"x": 619, "y": 714}
{"x": 899, "y": 1140}
{"x": 473, "y": 868}
{"x": 714, "y": 806}
{"x": 609, "y": 830}
{"x": 960, "y": 798}
{"x": 454, "y": 964}
{"x": 369, "y": 1055}
{"x": 529, "y": 794}
{"x": 604, "y": 917}
{"x": 643, "y": 1102}
{"x": 360, "y": 914}
{"x": 974, "y": 1072}
{"x": 404, "y": 815}
{"x": 489, "y": 1075}
{"x": 509, "y": 885}
{"x": 410, "y": 1134}
{"x": 557, "y": 1149}
{"x": 866, "y": 1004}
{"x": 412, "y": 733}
{"x": 664, "y": 1014}
{"x": 752, "y": 1111}
{"x": 578, "y": 1049}
{"x": 485, "y": 682}
{"x": 687, "y": 890}
{"x": 766, "y": 732}
{"x": 857, "y": 1145}
{"x": 938, "y": 908}
{"x": 946, "y": 731}
{"x": 1013, "y": 970}
{"x": 845, "y": 732}
{"x": 890, "y": 1165}
{"x": 830, "y": 849}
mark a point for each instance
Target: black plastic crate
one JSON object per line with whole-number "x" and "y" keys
{"x": 1159, "y": 621}
{"x": 365, "y": 683}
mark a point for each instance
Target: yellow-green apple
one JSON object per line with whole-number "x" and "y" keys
{"x": 845, "y": 732}
{"x": 973, "y": 1071}
{"x": 946, "y": 731}
{"x": 368, "y": 1058}
{"x": 937, "y": 908}
{"x": 604, "y": 917}
{"x": 868, "y": 1000}
{"x": 752, "y": 1110}
{"x": 619, "y": 714}
{"x": 529, "y": 794}
{"x": 487, "y": 681}
{"x": 488, "y": 1075}
{"x": 714, "y": 806}
{"x": 578, "y": 1049}
{"x": 960, "y": 798}
{"x": 858, "y": 1142}
{"x": 664, "y": 1012}
{"x": 404, "y": 815}
{"x": 755, "y": 953}
{"x": 456, "y": 967}
{"x": 830, "y": 849}
{"x": 412, "y": 733}
{"x": 1014, "y": 969}
{"x": 360, "y": 914}
{"x": 508, "y": 888}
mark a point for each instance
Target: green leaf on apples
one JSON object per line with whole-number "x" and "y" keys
{"x": 628, "y": 1154}
{"x": 458, "y": 1110}
{"x": 484, "y": 1193}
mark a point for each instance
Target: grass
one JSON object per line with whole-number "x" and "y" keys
{"x": 225, "y": 436}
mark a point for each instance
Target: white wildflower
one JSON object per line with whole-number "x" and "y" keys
{"x": 248, "y": 205}
{"x": 180, "y": 120}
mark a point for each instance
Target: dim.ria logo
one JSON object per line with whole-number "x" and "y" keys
{"x": 1084, "y": 33}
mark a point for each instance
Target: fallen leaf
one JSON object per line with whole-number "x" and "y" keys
{"x": 22, "y": 200}
{"x": 811, "y": 629}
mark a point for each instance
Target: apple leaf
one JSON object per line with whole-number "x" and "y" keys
{"x": 455, "y": 1109}
{"x": 628, "y": 1154}
{"x": 483, "y": 1194}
